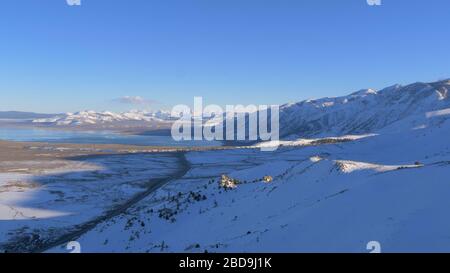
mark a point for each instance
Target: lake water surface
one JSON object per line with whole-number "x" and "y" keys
{"x": 94, "y": 137}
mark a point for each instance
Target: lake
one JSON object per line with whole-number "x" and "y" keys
{"x": 94, "y": 137}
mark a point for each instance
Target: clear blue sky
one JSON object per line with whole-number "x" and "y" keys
{"x": 57, "y": 58}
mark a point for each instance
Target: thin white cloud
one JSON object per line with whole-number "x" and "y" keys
{"x": 134, "y": 100}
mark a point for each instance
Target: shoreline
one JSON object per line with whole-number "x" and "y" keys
{"x": 141, "y": 129}
{"x": 25, "y": 150}
{"x": 120, "y": 135}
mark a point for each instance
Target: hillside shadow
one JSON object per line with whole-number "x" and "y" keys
{"x": 58, "y": 207}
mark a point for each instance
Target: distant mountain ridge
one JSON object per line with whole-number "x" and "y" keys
{"x": 23, "y": 115}
{"x": 106, "y": 117}
{"x": 366, "y": 111}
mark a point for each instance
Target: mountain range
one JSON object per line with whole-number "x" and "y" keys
{"x": 361, "y": 112}
{"x": 365, "y": 111}
{"x": 23, "y": 115}
{"x": 93, "y": 117}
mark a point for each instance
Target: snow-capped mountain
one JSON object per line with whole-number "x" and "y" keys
{"x": 365, "y": 111}
{"x": 93, "y": 117}
{"x": 362, "y": 112}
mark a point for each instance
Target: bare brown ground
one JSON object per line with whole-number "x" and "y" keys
{"x": 29, "y": 157}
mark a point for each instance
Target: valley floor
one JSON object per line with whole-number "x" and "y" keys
{"x": 391, "y": 188}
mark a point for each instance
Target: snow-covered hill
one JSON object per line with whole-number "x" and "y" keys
{"x": 365, "y": 111}
{"x": 390, "y": 188}
{"x": 93, "y": 117}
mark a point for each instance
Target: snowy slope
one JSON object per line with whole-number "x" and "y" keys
{"x": 365, "y": 111}
{"x": 391, "y": 188}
